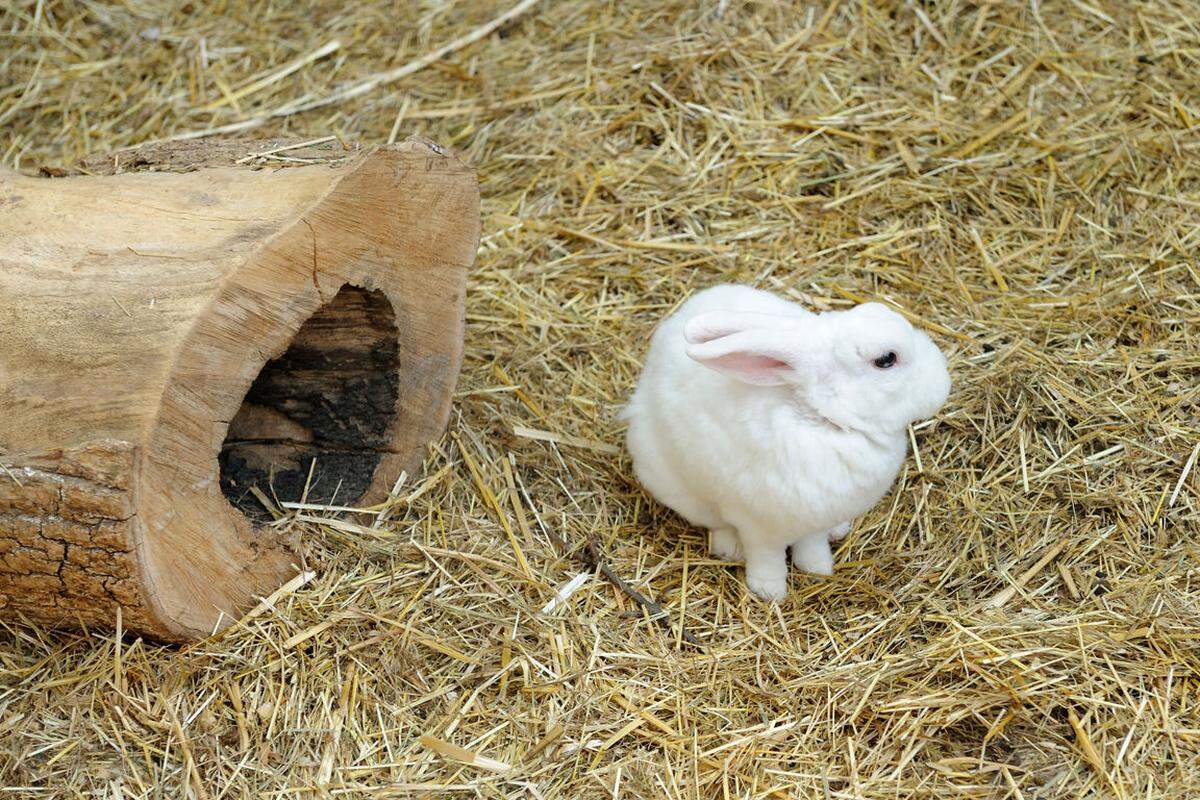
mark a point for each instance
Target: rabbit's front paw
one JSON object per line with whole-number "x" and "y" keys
{"x": 766, "y": 574}
{"x": 768, "y": 587}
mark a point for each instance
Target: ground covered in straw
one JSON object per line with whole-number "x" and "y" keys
{"x": 1017, "y": 619}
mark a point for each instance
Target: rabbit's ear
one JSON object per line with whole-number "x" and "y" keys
{"x": 715, "y": 324}
{"x": 753, "y": 347}
{"x": 754, "y": 357}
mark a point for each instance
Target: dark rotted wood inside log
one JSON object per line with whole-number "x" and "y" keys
{"x": 331, "y": 397}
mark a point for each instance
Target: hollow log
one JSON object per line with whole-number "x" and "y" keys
{"x": 186, "y": 329}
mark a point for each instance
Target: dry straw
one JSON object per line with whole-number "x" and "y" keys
{"x": 1018, "y": 618}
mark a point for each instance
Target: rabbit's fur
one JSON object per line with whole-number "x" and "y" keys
{"x": 774, "y": 427}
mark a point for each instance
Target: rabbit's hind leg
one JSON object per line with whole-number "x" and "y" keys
{"x": 724, "y": 543}
{"x": 838, "y": 532}
{"x": 667, "y": 488}
{"x": 813, "y": 555}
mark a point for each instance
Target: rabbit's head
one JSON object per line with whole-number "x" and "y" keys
{"x": 865, "y": 369}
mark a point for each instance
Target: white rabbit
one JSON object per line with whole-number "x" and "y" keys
{"x": 773, "y": 427}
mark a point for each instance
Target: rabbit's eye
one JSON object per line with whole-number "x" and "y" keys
{"x": 886, "y": 360}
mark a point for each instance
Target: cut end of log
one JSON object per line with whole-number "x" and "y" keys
{"x": 228, "y": 334}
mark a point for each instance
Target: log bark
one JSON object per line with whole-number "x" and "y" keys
{"x": 181, "y": 323}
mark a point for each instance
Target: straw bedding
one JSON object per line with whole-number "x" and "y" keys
{"x": 1016, "y": 619}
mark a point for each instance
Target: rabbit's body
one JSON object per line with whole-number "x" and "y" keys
{"x": 760, "y": 469}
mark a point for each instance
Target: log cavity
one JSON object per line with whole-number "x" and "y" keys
{"x": 330, "y": 398}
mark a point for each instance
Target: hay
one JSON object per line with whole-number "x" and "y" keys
{"x": 1017, "y": 619}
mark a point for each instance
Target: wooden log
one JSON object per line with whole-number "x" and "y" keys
{"x": 181, "y": 323}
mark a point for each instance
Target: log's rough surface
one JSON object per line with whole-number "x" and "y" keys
{"x": 65, "y": 521}
{"x": 180, "y": 323}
